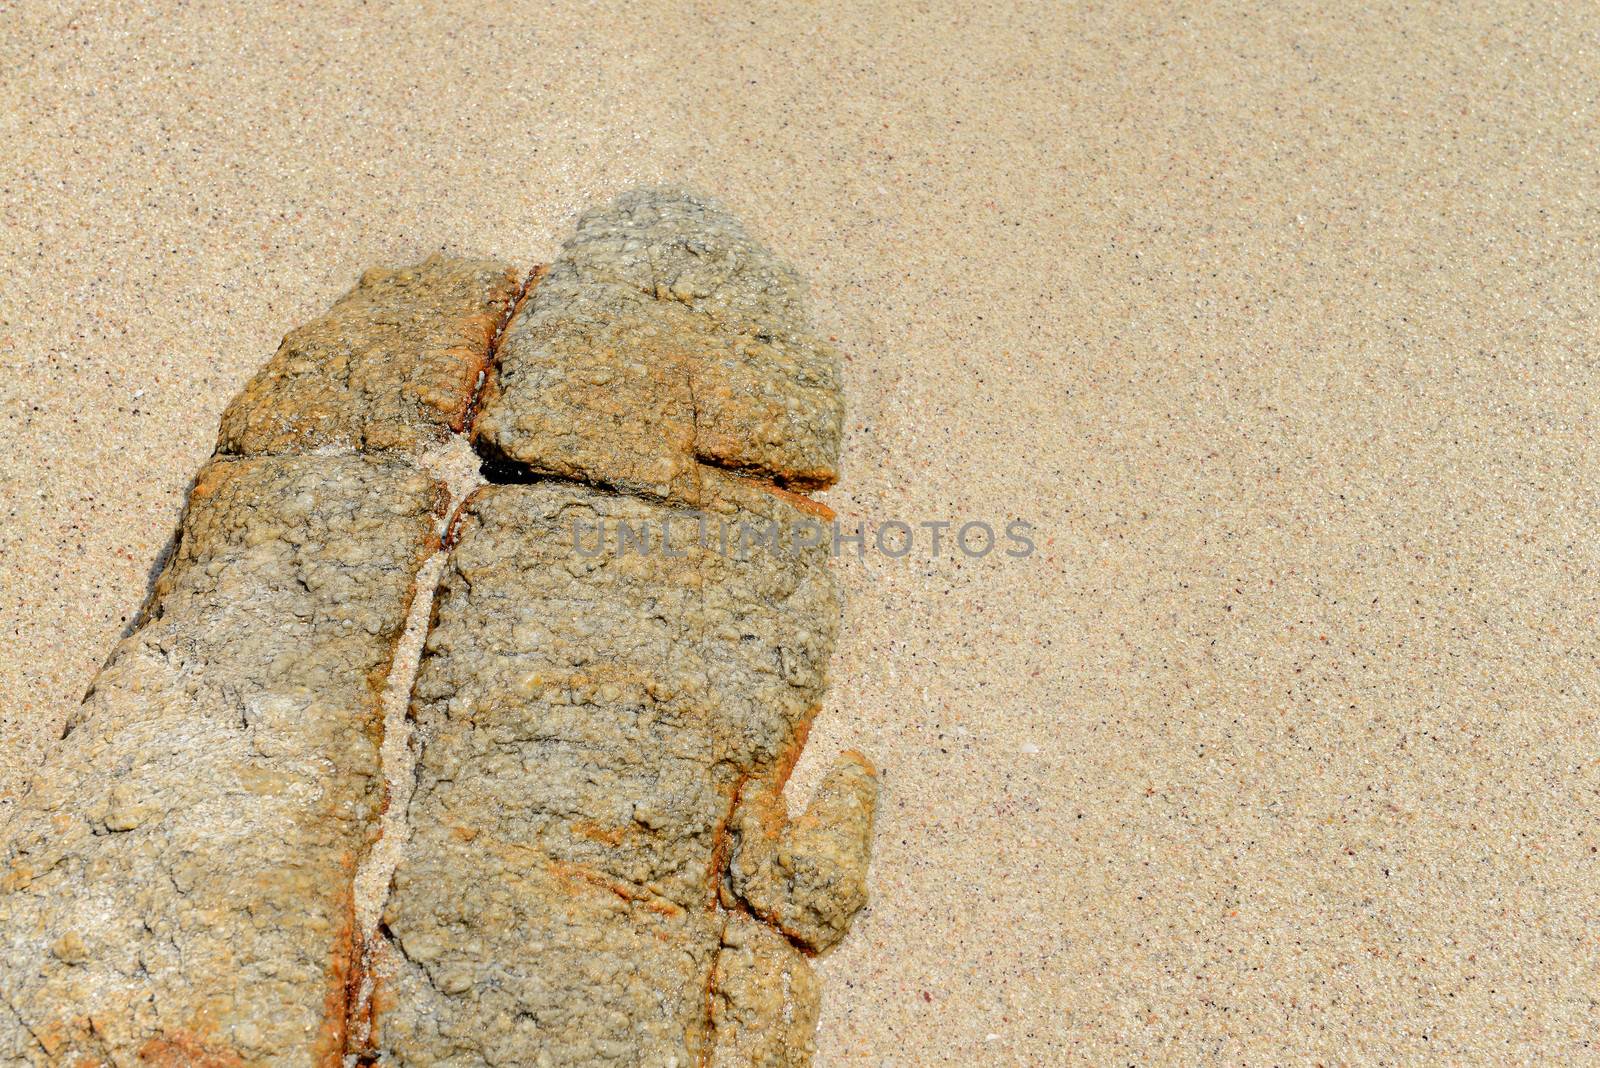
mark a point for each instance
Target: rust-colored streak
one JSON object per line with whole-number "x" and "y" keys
{"x": 721, "y": 844}
{"x": 798, "y": 500}
{"x": 490, "y": 347}
{"x": 576, "y": 877}
{"x": 344, "y": 982}
{"x": 178, "y": 1050}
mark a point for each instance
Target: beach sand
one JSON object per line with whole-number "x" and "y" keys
{"x": 1278, "y": 325}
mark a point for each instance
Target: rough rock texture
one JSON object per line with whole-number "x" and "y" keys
{"x": 622, "y": 667}
{"x": 662, "y": 337}
{"x": 613, "y": 694}
{"x": 807, "y": 878}
{"x": 176, "y": 886}
{"x": 764, "y": 1000}
{"x": 393, "y": 365}
{"x": 589, "y": 723}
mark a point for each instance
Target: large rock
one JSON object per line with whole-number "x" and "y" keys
{"x": 626, "y": 658}
{"x": 628, "y": 648}
{"x": 176, "y": 885}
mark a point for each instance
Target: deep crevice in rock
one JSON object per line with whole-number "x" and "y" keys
{"x": 453, "y": 462}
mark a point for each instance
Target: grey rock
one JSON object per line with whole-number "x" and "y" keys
{"x": 662, "y": 338}
{"x": 176, "y": 885}
{"x": 601, "y": 870}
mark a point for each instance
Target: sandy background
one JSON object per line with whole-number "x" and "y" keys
{"x": 1280, "y": 325}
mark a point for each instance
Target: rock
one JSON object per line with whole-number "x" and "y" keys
{"x": 588, "y": 814}
{"x": 808, "y": 878}
{"x": 600, "y": 870}
{"x": 393, "y": 365}
{"x": 190, "y": 845}
{"x": 609, "y": 726}
{"x": 176, "y": 885}
{"x": 664, "y": 337}
{"x": 764, "y": 999}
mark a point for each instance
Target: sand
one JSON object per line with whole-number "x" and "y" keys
{"x": 1279, "y": 325}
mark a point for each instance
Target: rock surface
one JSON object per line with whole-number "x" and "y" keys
{"x": 628, "y": 646}
{"x": 626, "y": 658}
{"x": 393, "y": 365}
{"x": 808, "y": 878}
{"x": 764, "y": 999}
{"x": 664, "y": 337}
{"x": 590, "y": 722}
{"x": 176, "y": 885}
